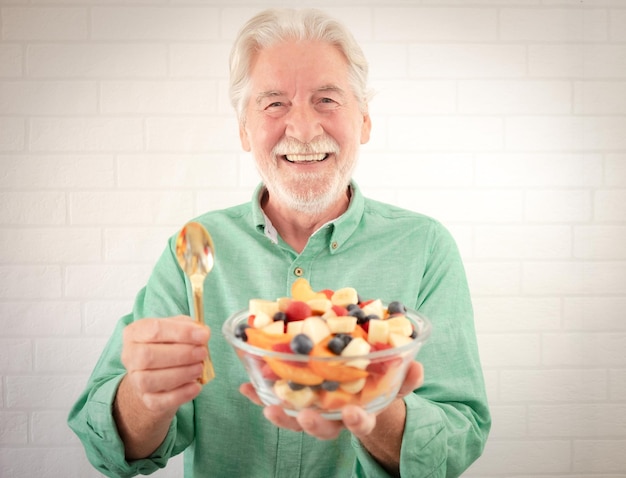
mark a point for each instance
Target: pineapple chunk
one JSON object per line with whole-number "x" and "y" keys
{"x": 398, "y": 340}
{"x": 345, "y": 296}
{"x": 261, "y": 319}
{"x": 268, "y": 307}
{"x": 400, "y": 325}
{"x": 341, "y": 325}
{"x": 378, "y": 331}
{"x": 316, "y": 328}
{"x": 375, "y": 307}
{"x": 298, "y": 399}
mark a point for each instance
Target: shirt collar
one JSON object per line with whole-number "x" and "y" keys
{"x": 342, "y": 227}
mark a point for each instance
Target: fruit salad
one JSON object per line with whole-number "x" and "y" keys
{"x": 327, "y": 349}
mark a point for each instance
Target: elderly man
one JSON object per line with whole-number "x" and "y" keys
{"x": 298, "y": 84}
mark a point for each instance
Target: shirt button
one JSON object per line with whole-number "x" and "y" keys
{"x": 334, "y": 245}
{"x": 298, "y": 271}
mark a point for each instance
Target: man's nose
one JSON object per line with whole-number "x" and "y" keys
{"x": 303, "y": 123}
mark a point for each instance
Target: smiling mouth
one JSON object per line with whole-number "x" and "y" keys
{"x": 306, "y": 158}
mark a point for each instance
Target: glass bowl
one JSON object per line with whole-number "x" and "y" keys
{"x": 326, "y": 383}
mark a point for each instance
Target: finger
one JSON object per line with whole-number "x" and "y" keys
{"x": 172, "y": 399}
{"x": 413, "y": 380}
{"x": 358, "y": 421}
{"x": 181, "y": 329}
{"x": 278, "y": 417}
{"x": 164, "y": 380}
{"x": 313, "y": 424}
{"x": 157, "y": 356}
{"x": 248, "y": 390}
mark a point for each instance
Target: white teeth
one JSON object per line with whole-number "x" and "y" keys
{"x": 299, "y": 158}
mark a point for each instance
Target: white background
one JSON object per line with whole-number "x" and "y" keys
{"x": 506, "y": 120}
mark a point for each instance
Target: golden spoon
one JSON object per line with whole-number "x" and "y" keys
{"x": 194, "y": 251}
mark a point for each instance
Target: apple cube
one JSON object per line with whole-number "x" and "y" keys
{"x": 378, "y": 331}
{"x": 316, "y": 328}
{"x": 374, "y": 307}
{"x": 341, "y": 325}
{"x": 261, "y": 319}
{"x": 399, "y": 324}
{"x": 295, "y": 328}
{"x": 276, "y": 327}
{"x": 355, "y": 348}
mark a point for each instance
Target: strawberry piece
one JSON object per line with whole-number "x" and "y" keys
{"x": 328, "y": 293}
{"x": 298, "y": 310}
{"x": 340, "y": 310}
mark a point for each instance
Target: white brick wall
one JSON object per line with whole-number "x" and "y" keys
{"x": 505, "y": 119}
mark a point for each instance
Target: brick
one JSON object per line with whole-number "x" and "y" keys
{"x": 442, "y": 133}
{"x": 553, "y": 24}
{"x": 508, "y": 422}
{"x": 584, "y": 349}
{"x": 32, "y": 208}
{"x": 573, "y": 278}
{"x": 552, "y": 386}
{"x": 604, "y": 133}
{"x": 67, "y": 354}
{"x": 577, "y": 60}
{"x": 617, "y": 385}
{"x": 509, "y": 350}
{"x": 199, "y": 60}
{"x": 158, "y": 97}
{"x": 131, "y": 208}
{"x": 49, "y": 429}
{"x": 577, "y": 420}
{"x": 30, "y": 282}
{"x": 540, "y": 133}
{"x": 467, "y": 61}
{"x": 101, "y": 316}
{"x": 403, "y": 97}
{"x": 42, "y": 391}
{"x": 96, "y": 60}
{"x": 43, "y": 171}
{"x": 493, "y": 279}
{"x": 465, "y": 206}
{"x": 13, "y": 428}
{"x": 62, "y": 245}
{"x": 86, "y": 134}
{"x": 558, "y": 206}
{"x": 524, "y": 242}
{"x": 435, "y": 24}
{"x": 12, "y": 134}
{"x": 47, "y": 461}
{"x": 359, "y": 19}
{"x": 600, "y": 242}
{"x": 16, "y": 355}
{"x": 135, "y": 244}
{"x": 177, "y": 171}
{"x": 105, "y": 282}
{"x": 410, "y": 170}
{"x": 603, "y": 456}
{"x": 45, "y": 23}
{"x": 610, "y": 205}
{"x": 600, "y": 97}
{"x": 48, "y": 98}
{"x": 502, "y": 457}
{"x": 387, "y": 61}
{"x": 615, "y": 170}
{"x": 617, "y": 24}
{"x": 39, "y": 318}
{"x": 539, "y": 169}
{"x": 154, "y": 23}
{"x": 594, "y": 313}
{"x": 527, "y": 97}
{"x": 175, "y": 134}
{"x": 11, "y": 59}
{"x": 510, "y": 314}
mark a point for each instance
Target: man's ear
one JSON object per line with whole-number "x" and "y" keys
{"x": 366, "y": 128}
{"x": 243, "y": 137}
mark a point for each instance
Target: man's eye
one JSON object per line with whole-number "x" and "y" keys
{"x": 275, "y": 104}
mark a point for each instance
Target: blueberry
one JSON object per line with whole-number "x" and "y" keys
{"x": 396, "y": 307}
{"x": 301, "y": 344}
{"x": 338, "y": 343}
{"x": 357, "y": 312}
{"x": 330, "y": 385}
{"x": 240, "y": 332}
{"x": 295, "y": 386}
{"x": 280, "y": 316}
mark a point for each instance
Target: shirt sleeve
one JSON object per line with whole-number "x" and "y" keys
{"x": 448, "y": 418}
{"x": 91, "y": 417}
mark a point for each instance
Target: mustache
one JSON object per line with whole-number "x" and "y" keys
{"x": 321, "y": 144}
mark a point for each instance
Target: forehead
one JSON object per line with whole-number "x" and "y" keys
{"x": 298, "y": 63}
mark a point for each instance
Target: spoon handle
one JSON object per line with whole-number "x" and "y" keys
{"x": 208, "y": 373}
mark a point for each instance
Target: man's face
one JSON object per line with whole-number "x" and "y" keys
{"x": 303, "y": 124}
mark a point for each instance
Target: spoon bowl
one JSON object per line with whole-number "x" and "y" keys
{"x": 195, "y": 254}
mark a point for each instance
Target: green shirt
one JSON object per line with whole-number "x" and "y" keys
{"x": 384, "y": 252}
